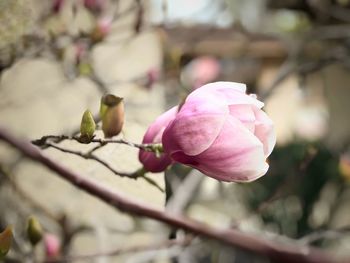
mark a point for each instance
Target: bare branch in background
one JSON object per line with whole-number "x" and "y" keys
{"x": 135, "y": 249}
{"x": 324, "y": 234}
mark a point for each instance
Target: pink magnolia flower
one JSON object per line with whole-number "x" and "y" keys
{"x": 52, "y": 245}
{"x": 154, "y": 134}
{"x": 222, "y": 132}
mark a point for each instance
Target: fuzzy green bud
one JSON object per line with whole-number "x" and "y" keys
{"x": 87, "y": 127}
{"x": 112, "y": 115}
{"x": 34, "y": 230}
{"x": 6, "y": 238}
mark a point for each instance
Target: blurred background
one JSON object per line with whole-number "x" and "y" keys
{"x": 58, "y": 57}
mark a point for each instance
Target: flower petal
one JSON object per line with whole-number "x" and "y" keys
{"x": 234, "y": 97}
{"x": 245, "y": 114}
{"x": 152, "y": 163}
{"x": 224, "y": 85}
{"x": 236, "y": 155}
{"x": 196, "y": 125}
{"x": 154, "y": 134}
{"x": 264, "y": 131}
{"x": 154, "y": 131}
{"x": 232, "y": 92}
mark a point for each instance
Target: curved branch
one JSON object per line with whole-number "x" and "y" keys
{"x": 43, "y": 142}
{"x": 274, "y": 249}
{"x": 119, "y": 251}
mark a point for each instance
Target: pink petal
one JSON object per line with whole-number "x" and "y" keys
{"x": 264, "y": 131}
{"x": 52, "y": 245}
{"x": 154, "y": 131}
{"x": 236, "y": 86}
{"x": 232, "y": 92}
{"x": 236, "y": 155}
{"x": 154, "y": 134}
{"x": 214, "y": 86}
{"x": 152, "y": 163}
{"x": 234, "y": 97}
{"x": 245, "y": 114}
{"x": 196, "y": 125}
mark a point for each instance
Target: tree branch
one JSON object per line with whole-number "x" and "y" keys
{"x": 274, "y": 249}
{"x": 140, "y": 173}
{"x": 115, "y": 252}
{"x": 90, "y": 156}
{"x": 42, "y": 142}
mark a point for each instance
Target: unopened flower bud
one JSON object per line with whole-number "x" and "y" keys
{"x": 52, "y": 245}
{"x": 344, "y": 167}
{"x": 95, "y": 5}
{"x": 112, "y": 115}
{"x": 57, "y": 5}
{"x": 87, "y": 127}
{"x": 34, "y": 230}
{"x": 151, "y": 77}
{"x": 85, "y": 69}
{"x": 6, "y": 238}
{"x": 102, "y": 29}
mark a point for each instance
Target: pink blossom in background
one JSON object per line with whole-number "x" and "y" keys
{"x": 200, "y": 71}
{"x": 154, "y": 134}
{"x": 311, "y": 122}
{"x": 52, "y": 245}
{"x": 152, "y": 76}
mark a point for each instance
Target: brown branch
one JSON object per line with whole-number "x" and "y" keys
{"x": 274, "y": 249}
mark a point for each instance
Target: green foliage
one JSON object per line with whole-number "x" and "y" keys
{"x": 286, "y": 195}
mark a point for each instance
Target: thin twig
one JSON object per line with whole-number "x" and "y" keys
{"x": 115, "y": 252}
{"x": 97, "y": 147}
{"x": 184, "y": 193}
{"x": 324, "y": 234}
{"x": 274, "y": 249}
{"x": 143, "y": 146}
{"x": 89, "y": 156}
{"x": 42, "y": 142}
